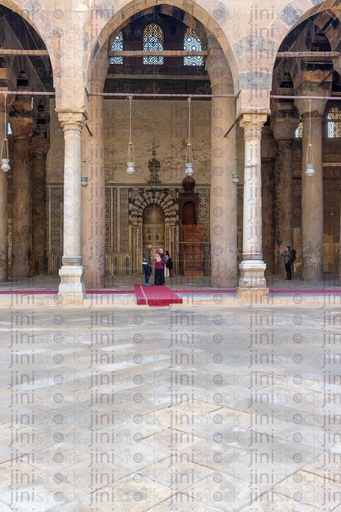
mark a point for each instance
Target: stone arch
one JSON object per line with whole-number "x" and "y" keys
{"x": 160, "y": 197}
{"x": 37, "y": 16}
{"x": 212, "y": 19}
{"x": 169, "y": 205}
{"x": 287, "y": 20}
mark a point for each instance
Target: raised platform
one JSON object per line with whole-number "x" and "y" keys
{"x": 42, "y": 291}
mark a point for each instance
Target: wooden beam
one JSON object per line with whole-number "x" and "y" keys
{"x": 308, "y": 55}
{"x": 28, "y": 53}
{"x": 120, "y": 76}
{"x": 159, "y": 53}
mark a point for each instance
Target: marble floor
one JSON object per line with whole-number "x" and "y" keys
{"x": 209, "y": 408}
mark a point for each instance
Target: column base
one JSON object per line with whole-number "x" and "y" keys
{"x": 252, "y": 283}
{"x": 71, "y": 289}
{"x": 253, "y": 295}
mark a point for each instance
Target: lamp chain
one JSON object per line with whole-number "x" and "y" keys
{"x": 4, "y": 142}
{"x": 309, "y": 142}
{"x": 189, "y": 120}
{"x": 130, "y": 102}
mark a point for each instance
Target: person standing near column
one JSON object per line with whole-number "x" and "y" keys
{"x": 147, "y": 264}
{"x": 169, "y": 265}
{"x": 286, "y": 255}
{"x": 159, "y": 275}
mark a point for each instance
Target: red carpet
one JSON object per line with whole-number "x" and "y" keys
{"x": 155, "y": 296}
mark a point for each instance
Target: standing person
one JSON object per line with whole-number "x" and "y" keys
{"x": 159, "y": 274}
{"x": 147, "y": 263}
{"x": 286, "y": 255}
{"x": 169, "y": 265}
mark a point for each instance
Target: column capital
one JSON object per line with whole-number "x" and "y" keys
{"x": 315, "y": 108}
{"x": 284, "y": 128}
{"x": 283, "y": 120}
{"x": 71, "y": 120}
{"x": 253, "y": 122}
{"x": 21, "y": 119}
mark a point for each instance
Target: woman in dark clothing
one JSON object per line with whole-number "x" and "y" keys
{"x": 169, "y": 265}
{"x": 159, "y": 274}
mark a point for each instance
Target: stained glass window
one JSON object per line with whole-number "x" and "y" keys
{"x": 117, "y": 46}
{"x": 153, "y": 42}
{"x": 334, "y": 123}
{"x": 192, "y": 43}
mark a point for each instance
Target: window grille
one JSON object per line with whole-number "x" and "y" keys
{"x": 192, "y": 43}
{"x": 117, "y": 46}
{"x": 334, "y": 123}
{"x": 153, "y": 42}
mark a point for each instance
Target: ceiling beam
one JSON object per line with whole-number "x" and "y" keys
{"x": 29, "y": 53}
{"x": 308, "y": 55}
{"x": 162, "y": 53}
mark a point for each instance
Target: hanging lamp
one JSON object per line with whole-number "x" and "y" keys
{"x": 189, "y": 154}
{"x": 5, "y": 150}
{"x": 309, "y": 157}
{"x": 130, "y": 155}
{"x": 235, "y": 175}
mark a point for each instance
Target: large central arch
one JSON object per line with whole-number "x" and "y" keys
{"x": 213, "y": 20}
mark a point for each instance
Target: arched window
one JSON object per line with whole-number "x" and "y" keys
{"x": 117, "y": 46}
{"x": 153, "y": 42}
{"x": 192, "y": 43}
{"x": 334, "y": 123}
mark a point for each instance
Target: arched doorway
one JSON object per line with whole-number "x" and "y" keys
{"x": 154, "y": 219}
{"x": 154, "y": 226}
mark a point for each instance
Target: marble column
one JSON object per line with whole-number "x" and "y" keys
{"x": 252, "y": 283}
{"x": 283, "y": 126}
{"x": 71, "y": 288}
{"x": 93, "y": 196}
{"x": 3, "y": 208}
{"x": 22, "y": 129}
{"x": 312, "y": 114}
{"x": 39, "y": 148}
{"x": 223, "y": 199}
{"x": 268, "y": 229}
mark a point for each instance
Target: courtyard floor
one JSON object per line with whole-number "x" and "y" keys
{"x": 208, "y": 408}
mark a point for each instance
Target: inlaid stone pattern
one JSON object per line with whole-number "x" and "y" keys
{"x": 108, "y": 218}
{"x": 113, "y": 221}
{"x": 124, "y": 220}
{"x": 204, "y": 211}
{"x": 240, "y": 195}
{"x": 55, "y": 227}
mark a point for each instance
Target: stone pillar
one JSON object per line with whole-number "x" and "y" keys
{"x": 268, "y": 230}
{"x": 93, "y": 196}
{"x": 252, "y": 283}
{"x": 22, "y": 128}
{"x": 71, "y": 288}
{"x": 3, "y": 209}
{"x": 312, "y": 113}
{"x": 283, "y": 126}
{"x": 39, "y": 147}
{"x": 223, "y": 199}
